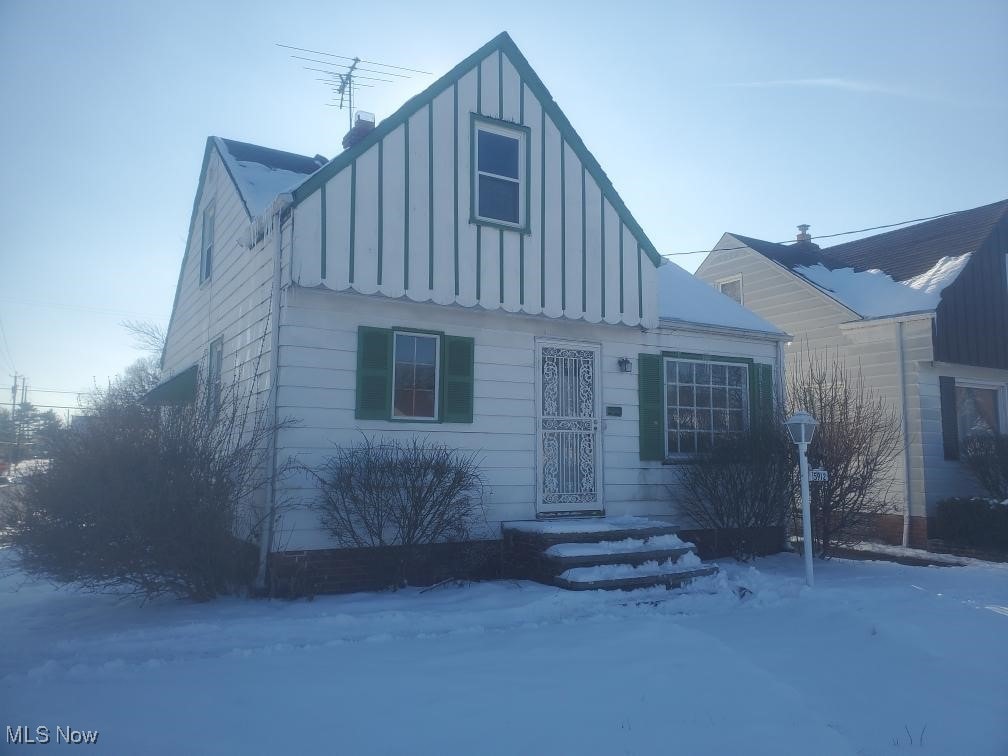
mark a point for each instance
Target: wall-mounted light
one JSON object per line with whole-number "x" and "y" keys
{"x": 625, "y": 365}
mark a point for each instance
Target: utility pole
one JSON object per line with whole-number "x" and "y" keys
{"x": 12, "y": 449}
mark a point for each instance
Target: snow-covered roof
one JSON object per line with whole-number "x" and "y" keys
{"x": 874, "y": 294}
{"x": 262, "y": 174}
{"x": 683, "y": 297}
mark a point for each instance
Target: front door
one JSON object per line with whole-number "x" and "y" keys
{"x": 568, "y": 429}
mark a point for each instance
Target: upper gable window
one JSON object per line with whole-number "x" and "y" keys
{"x": 731, "y": 287}
{"x": 206, "y": 244}
{"x": 499, "y": 173}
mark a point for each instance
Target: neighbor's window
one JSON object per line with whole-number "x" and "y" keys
{"x": 206, "y": 248}
{"x": 978, "y": 411}
{"x": 414, "y": 376}
{"x": 214, "y": 377}
{"x": 499, "y": 174}
{"x": 703, "y": 401}
{"x": 732, "y": 287}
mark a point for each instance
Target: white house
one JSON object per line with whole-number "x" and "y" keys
{"x": 465, "y": 270}
{"x": 922, "y": 311}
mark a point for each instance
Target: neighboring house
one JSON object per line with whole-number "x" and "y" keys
{"x": 923, "y": 311}
{"x": 465, "y": 270}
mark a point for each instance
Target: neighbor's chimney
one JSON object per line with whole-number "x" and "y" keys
{"x": 363, "y": 123}
{"x": 803, "y": 234}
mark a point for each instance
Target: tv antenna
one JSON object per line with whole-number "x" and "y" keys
{"x": 346, "y": 79}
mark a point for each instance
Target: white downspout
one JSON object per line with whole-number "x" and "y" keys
{"x": 266, "y": 536}
{"x": 906, "y": 434}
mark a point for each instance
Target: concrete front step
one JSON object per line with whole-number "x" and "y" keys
{"x": 551, "y": 532}
{"x": 566, "y": 561}
{"x": 668, "y": 580}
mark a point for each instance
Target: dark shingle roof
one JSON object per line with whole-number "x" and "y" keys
{"x": 277, "y": 159}
{"x": 910, "y": 251}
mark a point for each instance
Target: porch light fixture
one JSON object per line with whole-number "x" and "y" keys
{"x": 625, "y": 365}
{"x": 801, "y": 426}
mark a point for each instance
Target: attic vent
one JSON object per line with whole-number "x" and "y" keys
{"x": 363, "y": 124}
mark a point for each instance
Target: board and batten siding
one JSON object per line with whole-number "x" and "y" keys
{"x": 396, "y": 220}
{"x": 317, "y": 382}
{"x": 233, "y": 304}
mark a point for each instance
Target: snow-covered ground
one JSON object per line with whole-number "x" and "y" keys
{"x": 748, "y": 661}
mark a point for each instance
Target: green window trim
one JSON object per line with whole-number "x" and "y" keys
{"x": 375, "y": 364}
{"x": 651, "y": 397}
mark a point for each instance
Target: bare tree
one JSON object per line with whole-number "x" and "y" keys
{"x": 858, "y": 440}
{"x": 986, "y": 458}
{"x": 147, "y": 336}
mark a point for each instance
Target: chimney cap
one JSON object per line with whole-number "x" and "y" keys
{"x": 803, "y": 234}
{"x": 364, "y": 123}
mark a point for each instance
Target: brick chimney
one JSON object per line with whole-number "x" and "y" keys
{"x": 803, "y": 234}
{"x": 363, "y": 124}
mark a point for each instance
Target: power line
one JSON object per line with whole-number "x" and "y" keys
{"x": 7, "y": 350}
{"x": 820, "y": 236}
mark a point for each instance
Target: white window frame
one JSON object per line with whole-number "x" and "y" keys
{"x": 211, "y": 211}
{"x": 741, "y": 287}
{"x": 747, "y": 413}
{"x": 1002, "y": 399}
{"x": 519, "y": 134}
{"x": 437, "y": 377}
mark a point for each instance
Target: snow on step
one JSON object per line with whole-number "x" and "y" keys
{"x": 598, "y": 525}
{"x": 626, "y": 546}
{"x": 686, "y": 563}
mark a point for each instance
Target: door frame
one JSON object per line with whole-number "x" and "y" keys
{"x": 596, "y": 348}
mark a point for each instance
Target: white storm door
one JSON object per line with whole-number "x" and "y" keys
{"x": 568, "y": 429}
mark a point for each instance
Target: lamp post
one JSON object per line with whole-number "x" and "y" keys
{"x": 801, "y": 426}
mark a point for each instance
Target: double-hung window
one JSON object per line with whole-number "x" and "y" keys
{"x": 731, "y": 287}
{"x": 207, "y": 244}
{"x": 415, "y": 376}
{"x": 704, "y": 401}
{"x": 978, "y": 410}
{"x": 499, "y": 168}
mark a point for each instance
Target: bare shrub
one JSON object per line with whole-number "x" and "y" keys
{"x": 858, "y": 440}
{"x": 746, "y": 481}
{"x": 147, "y": 500}
{"x": 394, "y": 493}
{"x": 986, "y": 457}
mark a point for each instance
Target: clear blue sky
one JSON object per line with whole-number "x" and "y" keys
{"x": 707, "y": 116}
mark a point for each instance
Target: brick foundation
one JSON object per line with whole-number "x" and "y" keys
{"x": 718, "y": 544}
{"x": 889, "y": 530}
{"x": 310, "y": 572}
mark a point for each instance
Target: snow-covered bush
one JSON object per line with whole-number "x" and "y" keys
{"x": 745, "y": 481}
{"x": 147, "y": 500}
{"x": 986, "y": 457}
{"x": 858, "y": 442}
{"x": 972, "y": 522}
{"x": 394, "y": 493}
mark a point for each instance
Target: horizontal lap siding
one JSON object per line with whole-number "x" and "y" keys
{"x": 317, "y": 385}
{"x": 234, "y": 303}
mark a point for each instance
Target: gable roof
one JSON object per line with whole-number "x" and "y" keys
{"x": 683, "y": 297}
{"x": 262, "y": 173}
{"x": 503, "y": 43}
{"x": 895, "y": 273}
{"x": 911, "y": 251}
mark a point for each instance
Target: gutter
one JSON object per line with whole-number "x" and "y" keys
{"x": 281, "y": 204}
{"x": 676, "y": 324}
{"x": 906, "y": 433}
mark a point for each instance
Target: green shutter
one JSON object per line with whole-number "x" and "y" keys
{"x": 374, "y": 373}
{"x": 457, "y": 369}
{"x": 649, "y": 395}
{"x": 949, "y": 416}
{"x": 761, "y": 394}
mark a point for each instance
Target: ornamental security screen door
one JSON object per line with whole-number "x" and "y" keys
{"x": 568, "y": 429}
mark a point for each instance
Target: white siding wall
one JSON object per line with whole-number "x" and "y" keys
{"x": 234, "y": 303}
{"x": 815, "y": 320}
{"x": 556, "y": 268}
{"x": 317, "y": 385}
{"x": 944, "y": 477}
